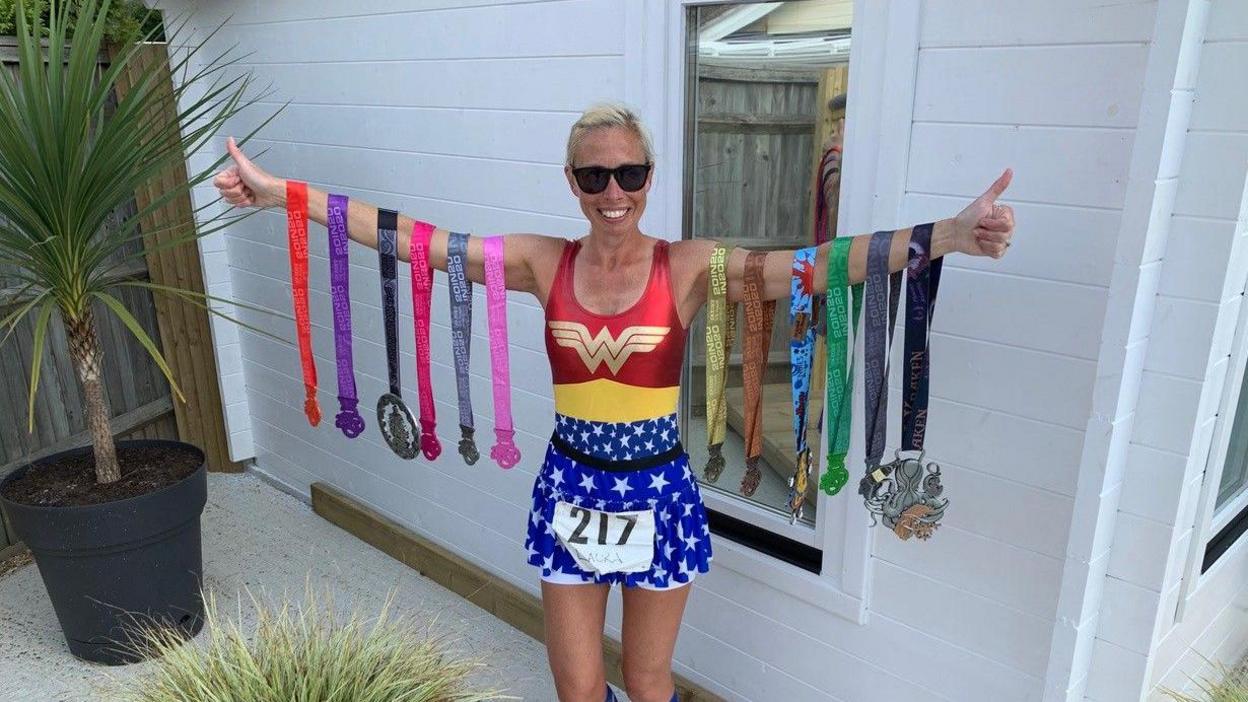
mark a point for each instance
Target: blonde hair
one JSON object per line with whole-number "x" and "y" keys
{"x": 608, "y": 115}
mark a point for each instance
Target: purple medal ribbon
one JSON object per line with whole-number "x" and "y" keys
{"x": 923, "y": 279}
{"x": 348, "y": 418}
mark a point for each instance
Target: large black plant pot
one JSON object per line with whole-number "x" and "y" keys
{"x": 111, "y": 566}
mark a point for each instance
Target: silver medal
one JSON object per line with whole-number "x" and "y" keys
{"x": 398, "y": 426}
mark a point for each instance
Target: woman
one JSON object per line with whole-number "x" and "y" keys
{"x": 615, "y": 448}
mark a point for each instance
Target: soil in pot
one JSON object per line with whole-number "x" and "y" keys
{"x": 71, "y": 481}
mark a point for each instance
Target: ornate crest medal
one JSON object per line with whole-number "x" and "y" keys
{"x": 903, "y": 494}
{"x": 398, "y": 427}
{"x": 461, "y": 339}
{"x": 721, "y": 330}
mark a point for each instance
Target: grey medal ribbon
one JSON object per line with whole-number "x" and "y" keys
{"x": 909, "y": 503}
{"x": 397, "y": 424}
{"x": 877, "y": 340}
{"x": 461, "y": 339}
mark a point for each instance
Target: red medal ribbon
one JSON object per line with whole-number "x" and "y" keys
{"x": 297, "y": 235}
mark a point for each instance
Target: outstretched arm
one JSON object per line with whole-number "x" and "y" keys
{"x": 244, "y": 184}
{"x": 984, "y": 228}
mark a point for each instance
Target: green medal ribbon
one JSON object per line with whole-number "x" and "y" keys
{"x": 840, "y": 369}
{"x": 720, "y": 333}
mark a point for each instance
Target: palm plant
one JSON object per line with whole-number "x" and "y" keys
{"x": 69, "y": 157}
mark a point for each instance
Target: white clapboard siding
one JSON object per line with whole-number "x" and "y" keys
{"x": 1196, "y": 257}
{"x": 958, "y": 673}
{"x": 1010, "y": 86}
{"x": 1081, "y": 166}
{"x": 1020, "y": 23}
{"x": 1112, "y": 667}
{"x": 488, "y": 134}
{"x": 1062, "y": 243}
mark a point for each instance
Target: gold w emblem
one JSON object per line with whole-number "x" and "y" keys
{"x": 595, "y": 349}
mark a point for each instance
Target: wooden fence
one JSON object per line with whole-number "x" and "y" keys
{"x": 141, "y": 400}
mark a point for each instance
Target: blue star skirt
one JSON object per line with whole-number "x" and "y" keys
{"x": 621, "y": 467}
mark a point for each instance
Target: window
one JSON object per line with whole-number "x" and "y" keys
{"x": 1230, "y": 511}
{"x": 765, "y": 98}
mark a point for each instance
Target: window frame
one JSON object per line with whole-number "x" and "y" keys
{"x": 881, "y": 98}
{"x": 1204, "y": 556}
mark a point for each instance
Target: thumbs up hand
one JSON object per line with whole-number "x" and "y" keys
{"x": 985, "y": 227}
{"x": 244, "y": 184}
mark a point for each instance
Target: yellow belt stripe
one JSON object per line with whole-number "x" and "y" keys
{"x": 608, "y": 401}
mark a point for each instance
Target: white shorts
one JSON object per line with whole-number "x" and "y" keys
{"x": 557, "y": 577}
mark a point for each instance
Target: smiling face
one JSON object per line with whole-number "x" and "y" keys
{"x": 612, "y": 211}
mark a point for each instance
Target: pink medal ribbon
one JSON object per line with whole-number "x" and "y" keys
{"x": 422, "y": 298}
{"x": 504, "y": 452}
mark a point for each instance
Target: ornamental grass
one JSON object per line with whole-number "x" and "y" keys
{"x": 306, "y": 653}
{"x": 1230, "y": 685}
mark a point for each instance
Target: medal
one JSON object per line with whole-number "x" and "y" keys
{"x": 801, "y": 349}
{"x": 422, "y": 298}
{"x": 297, "y": 239}
{"x": 461, "y": 339}
{"x": 398, "y": 427}
{"x": 759, "y": 317}
{"x": 504, "y": 451}
{"x": 348, "y": 418}
{"x": 721, "y": 323}
{"x": 839, "y": 379}
{"x": 899, "y": 493}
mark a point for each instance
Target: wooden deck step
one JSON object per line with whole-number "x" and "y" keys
{"x": 778, "y": 449}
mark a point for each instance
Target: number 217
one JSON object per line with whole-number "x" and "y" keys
{"x": 578, "y": 536}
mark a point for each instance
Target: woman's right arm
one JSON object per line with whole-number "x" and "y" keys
{"x": 245, "y": 184}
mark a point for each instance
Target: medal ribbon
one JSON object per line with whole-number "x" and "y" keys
{"x": 401, "y": 432}
{"x": 504, "y": 451}
{"x": 840, "y": 369}
{"x": 801, "y": 351}
{"x": 876, "y": 341}
{"x": 720, "y": 333}
{"x": 759, "y": 316}
{"x": 422, "y": 298}
{"x": 461, "y": 339}
{"x": 923, "y": 279}
{"x": 297, "y": 236}
{"x": 348, "y": 418}
{"x": 387, "y": 237}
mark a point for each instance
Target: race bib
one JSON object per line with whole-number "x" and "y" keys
{"x": 606, "y": 542}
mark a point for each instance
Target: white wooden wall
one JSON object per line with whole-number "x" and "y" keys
{"x": 458, "y": 111}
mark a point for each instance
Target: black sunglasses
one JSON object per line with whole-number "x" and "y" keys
{"x": 631, "y": 177}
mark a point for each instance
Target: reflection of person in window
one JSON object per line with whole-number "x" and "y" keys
{"x": 617, "y": 304}
{"x": 828, "y": 192}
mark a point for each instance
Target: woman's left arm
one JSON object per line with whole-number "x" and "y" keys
{"x": 984, "y": 228}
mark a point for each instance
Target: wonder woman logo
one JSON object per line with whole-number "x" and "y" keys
{"x": 595, "y": 349}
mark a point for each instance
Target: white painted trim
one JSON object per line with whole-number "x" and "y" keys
{"x": 733, "y": 20}
{"x": 746, "y": 510}
{"x": 1206, "y": 524}
{"x": 1227, "y": 512}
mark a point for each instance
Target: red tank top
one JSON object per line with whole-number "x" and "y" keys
{"x": 641, "y": 347}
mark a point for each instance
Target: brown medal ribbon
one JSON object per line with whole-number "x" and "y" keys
{"x": 759, "y": 317}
